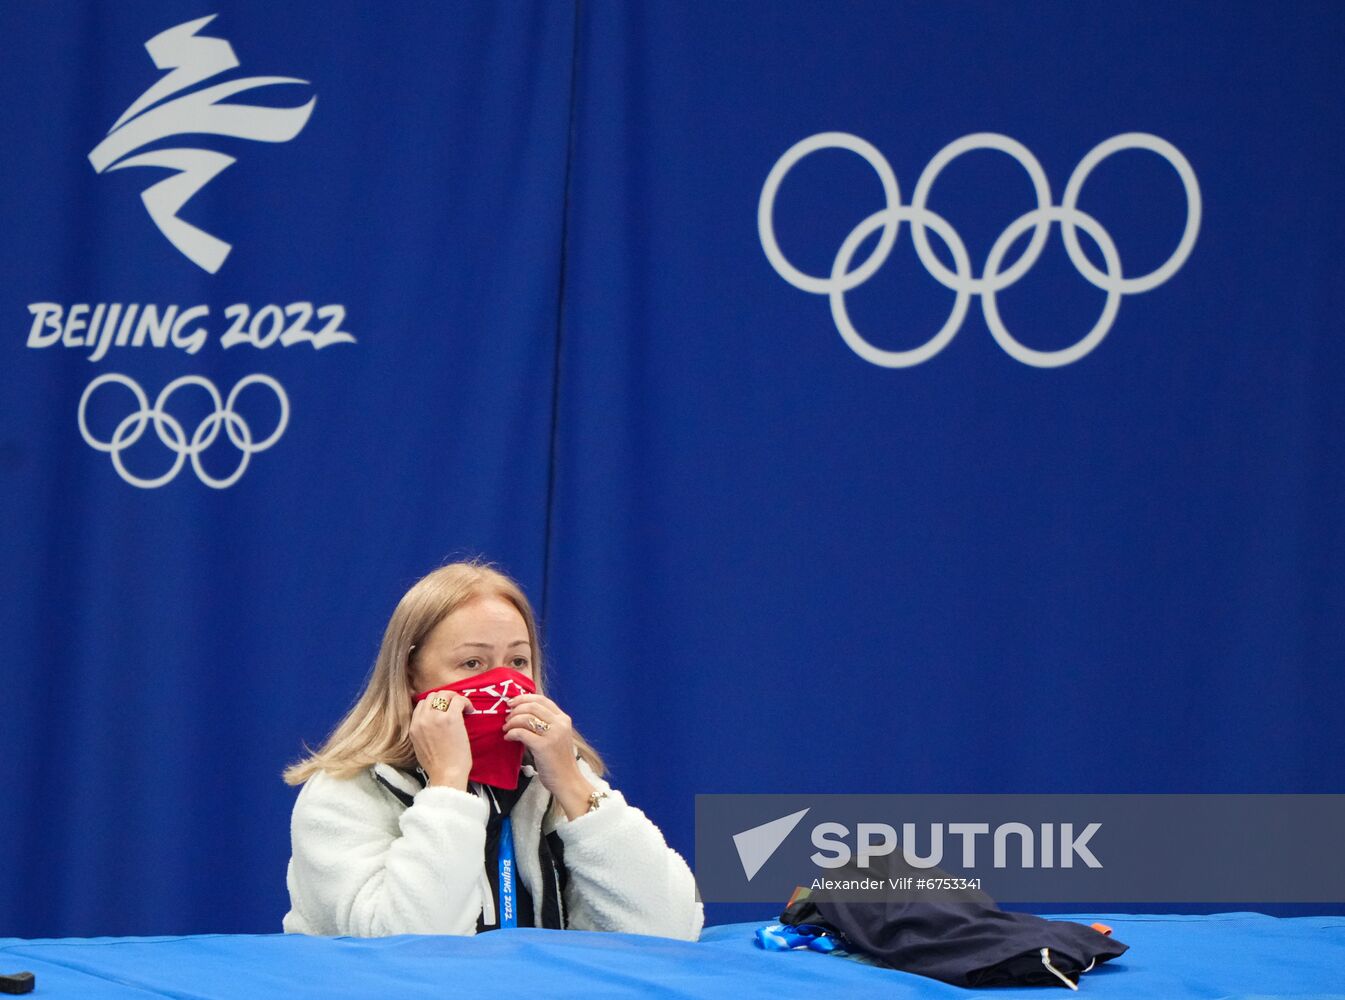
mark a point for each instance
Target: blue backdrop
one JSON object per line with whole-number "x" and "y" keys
{"x": 603, "y": 327}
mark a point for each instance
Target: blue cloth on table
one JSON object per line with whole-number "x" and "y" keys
{"x": 1228, "y": 955}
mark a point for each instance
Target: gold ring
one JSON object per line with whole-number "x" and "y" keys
{"x": 439, "y": 703}
{"x": 538, "y": 726}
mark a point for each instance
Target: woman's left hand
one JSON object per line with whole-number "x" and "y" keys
{"x": 552, "y": 749}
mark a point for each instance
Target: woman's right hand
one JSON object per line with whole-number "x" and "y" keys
{"x": 440, "y": 740}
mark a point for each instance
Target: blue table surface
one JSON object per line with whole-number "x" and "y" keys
{"x": 1171, "y": 957}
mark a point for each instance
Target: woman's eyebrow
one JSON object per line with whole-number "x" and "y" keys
{"x": 486, "y": 645}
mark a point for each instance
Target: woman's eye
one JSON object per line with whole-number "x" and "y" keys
{"x": 520, "y": 662}
{"x": 472, "y": 664}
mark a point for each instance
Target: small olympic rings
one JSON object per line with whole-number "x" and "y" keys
{"x": 171, "y": 432}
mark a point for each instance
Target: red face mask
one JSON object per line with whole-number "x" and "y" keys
{"x": 495, "y": 760}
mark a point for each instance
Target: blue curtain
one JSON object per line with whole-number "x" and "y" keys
{"x": 171, "y": 648}
{"x": 779, "y": 566}
{"x": 776, "y": 546}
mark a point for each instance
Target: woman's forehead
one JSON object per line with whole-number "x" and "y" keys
{"x": 487, "y": 618}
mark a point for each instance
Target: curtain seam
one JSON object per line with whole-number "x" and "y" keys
{"x": 562, "y": 278}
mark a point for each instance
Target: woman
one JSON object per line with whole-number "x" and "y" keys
{"x": 453, "y": 772}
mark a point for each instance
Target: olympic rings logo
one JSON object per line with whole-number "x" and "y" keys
{"x": 170, "y": 430}
{"x": 994, "y": 276}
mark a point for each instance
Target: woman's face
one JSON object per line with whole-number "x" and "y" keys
{"x": 485, "y": 633}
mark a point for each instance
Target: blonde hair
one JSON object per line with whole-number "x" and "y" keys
{"x": 377, "y": 729}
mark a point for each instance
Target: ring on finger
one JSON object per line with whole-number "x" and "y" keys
{"x": 537, "y": 725}
{"x": 439, "y": 703}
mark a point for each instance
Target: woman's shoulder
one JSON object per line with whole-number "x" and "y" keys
{"x": 335, "y": 814}
{"x": 327, "y": 789}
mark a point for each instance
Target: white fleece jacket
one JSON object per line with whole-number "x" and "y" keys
{"x": 365, "y": 865}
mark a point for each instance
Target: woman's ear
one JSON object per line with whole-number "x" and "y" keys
{"x": 411, "y": 672}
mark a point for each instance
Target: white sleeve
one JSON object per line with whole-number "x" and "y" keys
{"x": 623, "y": 876}
{"x": 360, "y": 869}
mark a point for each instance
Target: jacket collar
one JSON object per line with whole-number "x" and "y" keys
{"x": 409, "y": 782}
